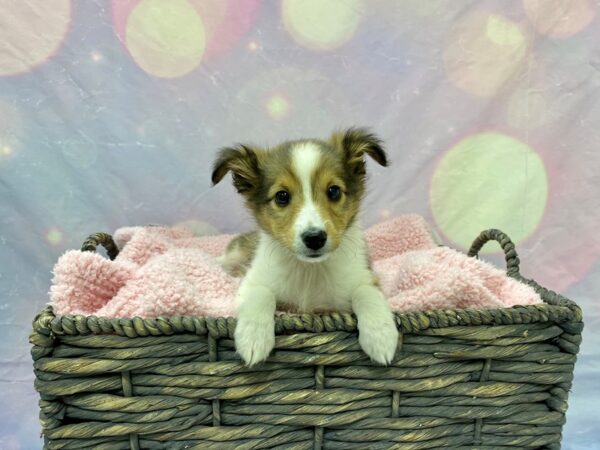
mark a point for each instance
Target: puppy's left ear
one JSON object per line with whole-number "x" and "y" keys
{"x": 357, "y": 142}
{"x": 242, "y": 161}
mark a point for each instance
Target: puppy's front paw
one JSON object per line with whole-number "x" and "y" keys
{"x": 254, "y": 339}
{"x": 379, "y": 341}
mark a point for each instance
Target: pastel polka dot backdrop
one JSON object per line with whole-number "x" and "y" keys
{"x": 484, "y": 52}
{"x": 488, "y": 180}
{"x": 111, "y": 112}
{"x": 166, "y": 39}
{"x": 560, "y": 18}
{"x": 31, "y": 33}
{"x": 322, "y": 24}
{"x": 11, "y": 129}
{"x": 278, "y": 106}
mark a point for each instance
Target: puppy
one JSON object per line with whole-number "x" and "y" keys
{"x": 308, "y": 254}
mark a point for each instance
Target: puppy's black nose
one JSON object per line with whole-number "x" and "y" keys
{"x": 314, "y": 239}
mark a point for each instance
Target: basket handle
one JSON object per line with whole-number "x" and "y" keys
{"x": 103, "y": 239}
{"x": 510, "y": 254}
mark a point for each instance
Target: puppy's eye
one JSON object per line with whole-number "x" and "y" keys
{"x": 282, "y": 198}
{"x": 334, "y": 193}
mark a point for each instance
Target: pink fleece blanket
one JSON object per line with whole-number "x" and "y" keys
{"x": 166, "y": 271}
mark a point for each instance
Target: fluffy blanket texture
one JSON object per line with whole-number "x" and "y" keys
{"x": 164, "y": 271}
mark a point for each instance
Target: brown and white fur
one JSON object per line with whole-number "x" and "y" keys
{"x": 308, "y": 253}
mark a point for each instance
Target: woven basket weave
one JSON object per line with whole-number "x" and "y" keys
{"x": 465, "y": 379}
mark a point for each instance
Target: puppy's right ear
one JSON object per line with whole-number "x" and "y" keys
{"x": 242, "y": 161}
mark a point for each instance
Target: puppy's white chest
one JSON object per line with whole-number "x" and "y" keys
{"x": 306, "y": 287}
{"x": 315, "y": 287}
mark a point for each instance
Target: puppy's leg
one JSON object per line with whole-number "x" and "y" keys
{"x": 377, "y": 331}
{"x": 255, "y": 329}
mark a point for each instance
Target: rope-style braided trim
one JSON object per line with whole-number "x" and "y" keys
{"x": 103, "y": 239}
{"x": 556, "y": 308}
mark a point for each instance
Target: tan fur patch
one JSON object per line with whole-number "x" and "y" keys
{"x": 239, "y": 254}
{"x": 279, "y": 220}
{"x": 337, "y": 214}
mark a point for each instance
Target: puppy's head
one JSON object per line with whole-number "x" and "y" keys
{"x": 304, "y": 193}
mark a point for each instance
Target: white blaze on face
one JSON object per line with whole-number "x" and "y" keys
{"x": 305, "y": 160}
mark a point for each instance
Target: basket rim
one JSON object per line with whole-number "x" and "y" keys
{"x": 555, "y": 308}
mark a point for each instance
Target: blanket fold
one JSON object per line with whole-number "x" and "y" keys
{"x": 162, "y": 271}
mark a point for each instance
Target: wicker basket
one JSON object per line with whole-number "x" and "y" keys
{"x": 485, "y": 379}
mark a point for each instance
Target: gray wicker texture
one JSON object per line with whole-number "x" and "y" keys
{"x": 463, "y": 379}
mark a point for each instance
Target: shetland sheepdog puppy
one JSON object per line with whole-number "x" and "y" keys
{"x": 308, "y": 253}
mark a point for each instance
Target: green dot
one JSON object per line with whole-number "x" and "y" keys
{"x": 488, "y": 180}
{"x": 54, "y": 236}
{"x": 278, "y": 107}
{"x": 166, "y": 38}
{"x": 322, "y": 24}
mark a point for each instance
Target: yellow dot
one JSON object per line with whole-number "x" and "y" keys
{"x": 484, "y": 52}
{"x": 6, "y": 150}
{"x": 54, "y": 236}
{"x": 96, "y": 57}
{"x": 252, "y": 46}
{"x": 560, "y": 18}
{"x": 166, "y": 38}
{"x": 488, "y": 180}
{"x": 278, "y": 107}
{"x": 322, "y": 24}
{"x": 31, "y": 32}
{"x": 503, "y": 32}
